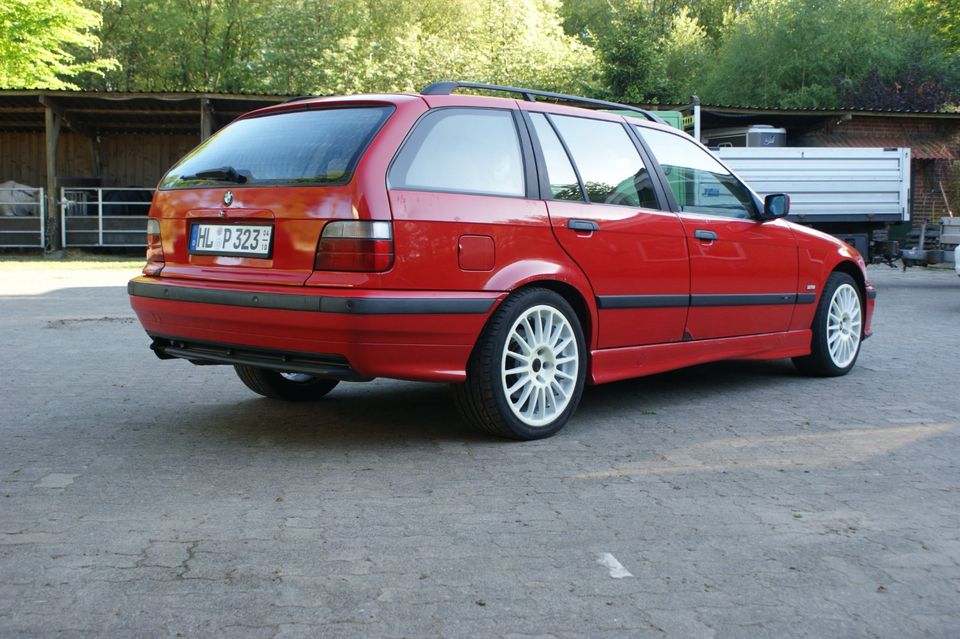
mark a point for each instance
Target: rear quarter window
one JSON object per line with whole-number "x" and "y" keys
{"x": 315, "y": 147}
{"x": 462, "y": 151}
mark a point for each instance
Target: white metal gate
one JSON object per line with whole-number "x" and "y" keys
{"x": 22, "y": 217}
{"x": 111, "y": 217}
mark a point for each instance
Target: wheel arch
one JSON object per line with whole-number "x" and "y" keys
{"x": 558, "y": 275}
{"x": 575, "y": 298}
{"x": 853, "y": 270}
{"x": 856, "y": 272}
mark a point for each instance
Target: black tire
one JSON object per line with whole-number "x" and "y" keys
{"x": 819, "y": 362}
{"x": 482, "y": 400}
{"x": 275, "y": 386}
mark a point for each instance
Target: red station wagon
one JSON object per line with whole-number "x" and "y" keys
{"x": 515, "y": 248}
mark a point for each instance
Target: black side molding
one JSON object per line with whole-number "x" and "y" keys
{"x": 313, "y": 303}
{"x": 672, "y": 301}
{"x": 642, "y": 301}
{"x": 757, "y": 299}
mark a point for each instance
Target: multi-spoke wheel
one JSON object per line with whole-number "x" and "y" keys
{"x": 294, "y": 387}
{"x": 837, "y": 329}
{"x": 526, "y": 374}
{"x": 539, "y": 365}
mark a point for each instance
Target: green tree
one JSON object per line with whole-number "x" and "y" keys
{"x": 938, "y": 17}
{"x": 179, "y": 44}
{"x": 632, "y": 64}
{"x": 650, "y": 50}
{"x": 336, "y": 47}
{"x": 685, "y": 51}
{"x": 43, "y": 43}
{"x": 802, "y": 53}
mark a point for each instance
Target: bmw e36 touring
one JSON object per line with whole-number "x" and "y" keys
{"x": 514, "y": 247}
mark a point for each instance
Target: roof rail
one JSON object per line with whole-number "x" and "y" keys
{"x": 446, "y": 88}
{"x": 297, "y": 98}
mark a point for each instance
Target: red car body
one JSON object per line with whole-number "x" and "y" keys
{"x": 458, "y": 256}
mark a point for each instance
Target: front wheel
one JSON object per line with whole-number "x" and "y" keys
{"x": 526, "y": 374}
{"x": 291, "y": 387}
{"x": 837, "y": 329}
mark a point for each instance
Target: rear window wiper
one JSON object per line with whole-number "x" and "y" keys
{"x": 222, "y": 174}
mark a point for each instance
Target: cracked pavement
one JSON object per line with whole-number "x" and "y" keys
{"x": 147, "y": 498}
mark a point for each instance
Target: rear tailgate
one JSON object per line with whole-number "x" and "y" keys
{"x": 286, "y": 222}
{"x": 249, "y": 204}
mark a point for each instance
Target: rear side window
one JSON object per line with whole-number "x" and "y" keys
{"x": 316, "y": 147}
{"x": 563, "y": 180}
{"x": 699, "y": 182}
{"x": 610, "y": 166}
{"x": 462, "y": 151}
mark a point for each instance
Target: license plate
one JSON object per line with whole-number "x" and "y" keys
{"x": 243, "y": 240}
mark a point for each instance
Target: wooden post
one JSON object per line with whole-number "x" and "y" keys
{"x": 95, "y": 160}
{"x": 53, "y": 122}
{"x": 206, "y": 119}
{"x": 56, "y": 116}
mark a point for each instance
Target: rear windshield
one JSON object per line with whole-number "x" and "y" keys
{"x": 317, "y": 147}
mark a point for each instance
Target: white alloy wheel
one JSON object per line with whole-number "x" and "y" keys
{"x": 844, "y": 325}
{"x": 539, "y": 366}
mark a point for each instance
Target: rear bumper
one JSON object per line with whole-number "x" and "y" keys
{"x": 355, "y": 334}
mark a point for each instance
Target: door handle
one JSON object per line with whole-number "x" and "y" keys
{"x": 584, "y": 226}
{"x": 707, "y": 236}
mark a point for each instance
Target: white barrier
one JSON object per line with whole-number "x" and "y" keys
{"x": 112, "y": 217}
{"x": 22, "y": 217}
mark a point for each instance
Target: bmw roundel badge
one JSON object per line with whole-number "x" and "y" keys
{"x": 228, "y": 198}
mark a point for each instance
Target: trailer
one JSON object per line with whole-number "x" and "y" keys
{"x": 854, "y": 194}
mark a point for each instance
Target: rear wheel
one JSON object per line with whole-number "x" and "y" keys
{"x": 837, "y": 329}
{"x": 526, "y": 375}
{"x": 292, "y": 387}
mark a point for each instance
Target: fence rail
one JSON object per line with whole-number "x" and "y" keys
{"x": 111, "y": 217}
{"x": 22, "y": 217}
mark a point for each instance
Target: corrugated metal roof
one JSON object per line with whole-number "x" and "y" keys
{"x": 124, "y": 112}
{"x": 828, "y": 110}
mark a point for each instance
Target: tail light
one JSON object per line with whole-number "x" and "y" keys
{"x": 355, "y": 246}
{"x": 154, "y": 248}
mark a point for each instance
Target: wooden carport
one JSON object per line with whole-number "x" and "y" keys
{"x": 117, "y": 138}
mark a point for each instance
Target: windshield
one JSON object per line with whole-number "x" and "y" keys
{"x": 316, "y": 147}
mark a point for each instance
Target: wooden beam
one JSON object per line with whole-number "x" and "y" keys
{"x": 52, "y": 105}
{"x": 21, "y": 124}
{"x": 22, "y": 109}
{"x": 206, "y": 119}
{"x": 95, "y": 159}
{"x": 53, "y": 122}
{"x": 148, "y": 127}
{"x": 122, "y": 111}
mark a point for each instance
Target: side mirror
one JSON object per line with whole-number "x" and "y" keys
{"x": 775, "y": 206}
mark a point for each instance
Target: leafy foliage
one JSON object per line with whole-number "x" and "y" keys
{"x": 796, "y": 53}
{"x": 40, "y": 41}
{"x": 331, "y": 46}
{"x": 911, "y": 91}
{"x": 803, "y": 53}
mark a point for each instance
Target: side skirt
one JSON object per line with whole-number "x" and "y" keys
{"x": 610, "y": 365}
